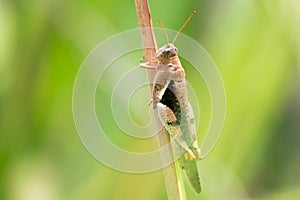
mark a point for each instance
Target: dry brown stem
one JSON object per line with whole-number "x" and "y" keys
{"x": 148, "y": 40}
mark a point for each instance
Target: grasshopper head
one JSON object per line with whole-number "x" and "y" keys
{"x": 166, "y": 52}
{"x": 169, "y": 50}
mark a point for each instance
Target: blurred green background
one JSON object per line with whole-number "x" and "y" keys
{"x": 255, "y": 44}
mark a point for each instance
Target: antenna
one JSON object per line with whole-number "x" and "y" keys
{"x": 164, "y": 30}
{"x": 183, "y": 26}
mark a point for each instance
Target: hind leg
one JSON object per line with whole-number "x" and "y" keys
{"x": 192, "y": 125}
{"x": 169, "y": 121}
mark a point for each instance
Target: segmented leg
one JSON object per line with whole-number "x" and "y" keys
{"x": 169, "y": 121}
{"x": 147, "y": 66}
{"x": 194, "y": 132}
{"x": 160, "y": 84}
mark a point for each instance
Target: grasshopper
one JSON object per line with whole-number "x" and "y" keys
{"x": 170, "y": 98}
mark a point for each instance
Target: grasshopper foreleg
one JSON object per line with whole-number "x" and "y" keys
{"x": 146, "y": 65}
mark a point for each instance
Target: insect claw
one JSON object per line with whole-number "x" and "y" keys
{"x": 151, "y": 103}
{"x": 198, "y": 153}
{"x": 189, "y": 155}
{"x": 143, "y": 60}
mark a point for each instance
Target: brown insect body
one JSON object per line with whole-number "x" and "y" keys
{"x": 171, "y": 75}
{"x": 170, "y": 98}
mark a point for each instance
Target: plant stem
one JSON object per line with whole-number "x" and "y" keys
{"x": 174, "y": 189}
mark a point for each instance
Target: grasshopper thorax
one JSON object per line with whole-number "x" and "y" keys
{"x": 166, "y": 52}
